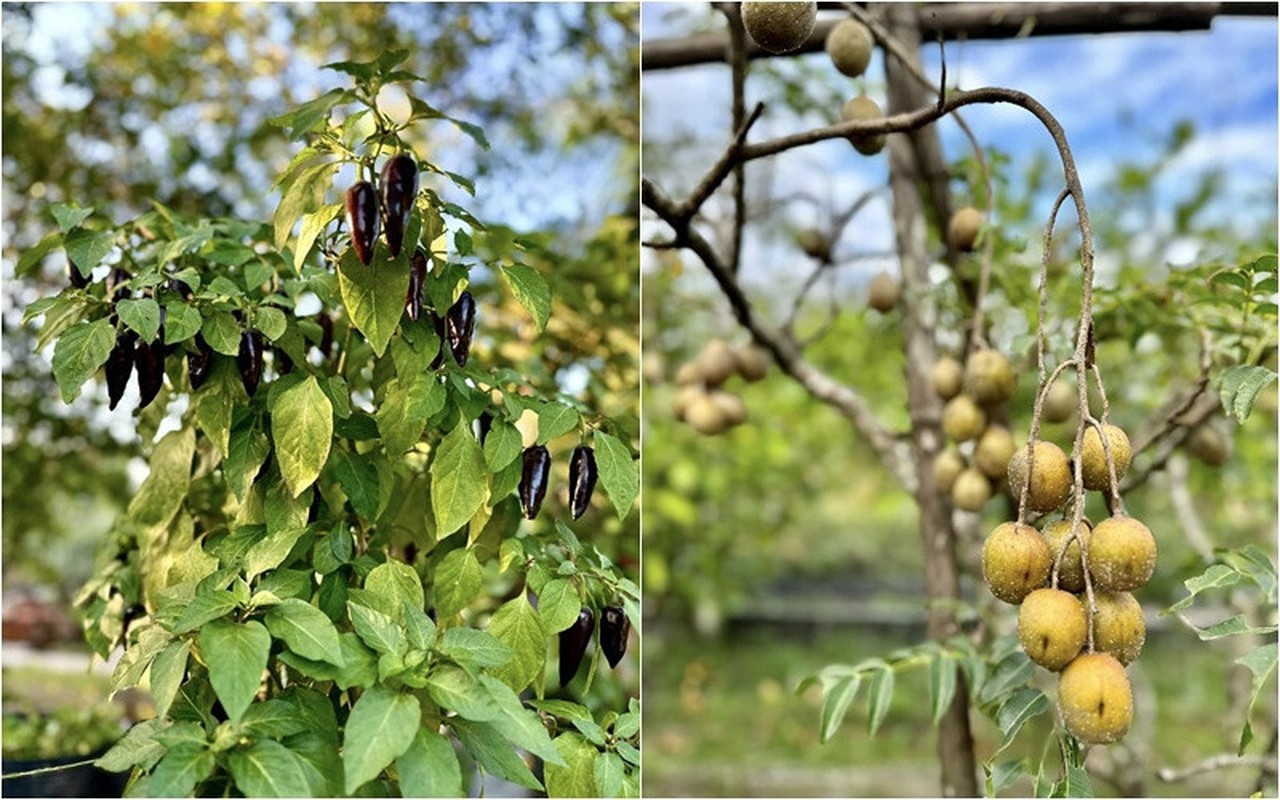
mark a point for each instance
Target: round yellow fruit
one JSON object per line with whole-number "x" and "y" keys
{"x": 1095, "y": 699}
{"x": 962, "y": 419}
{"x": 995, "y": 448}
{"x": 1015, "y": 561}
{"x": 1052, "y": 627}
{"x": 971, "y": 490}
{"x": 716, "y": 362}
{"x": 864, "y": 108}
{"x": 1093, "y": 459}
{"x": 883, "y": 292}
{"x": 685, "y": 398}
{"x": 779, "y": 27}
{"x": 731, "y": 406}
{"x": 963, "y": 228}
{"x": 947, "y": 377}
{"x": 753, "y": 363}
{"x": 989, "y": 377}
{"x": 1071, "y": 568}
{"x": 689, "y": 373}
{"x": 704, "y": 416}
{"x": 1118, "y": 626}
{"x": 1050, "y": 476}
{"x": 1209, "y": 445}
{"x": 947, "y": 466}
{"x": 1122, "y": 554}
{"x": 1060, "y": 403}
{"x": 849, "y": 45}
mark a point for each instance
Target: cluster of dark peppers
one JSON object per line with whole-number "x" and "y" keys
{"x": 365, "y": 211}
{"x": 537, "y": 469}
{"x": 615, "y": 628}
{"x": 130, "y": 355}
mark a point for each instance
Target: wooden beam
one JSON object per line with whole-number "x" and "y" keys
{"x": 957, "y": 21}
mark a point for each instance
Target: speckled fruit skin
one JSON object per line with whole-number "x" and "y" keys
{"x": 947, "y": 466}
{"x": 995, "y": 448}
{"x": 849, "y": 45}
{"x": 1095, "y": 699}
{"x": 1060, "y": 403}
{"x": 1093, "y": 459}
{"x": 864, "y": 108}
{"x": 1071, "y": 571}
{"x": 1052, "y": 626}
{"x": 1050, "y": 476}
{"x": 989, "y": 377}
{"x": 962, "y": 419}
{"x": 1119, "y": 627}
{"x": 1122, "y": 554}
{"x": 1015, "y": 561}
{"x": 779, "y": 27}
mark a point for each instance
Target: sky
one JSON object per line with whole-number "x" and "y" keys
{"x": 1116, "y": 95}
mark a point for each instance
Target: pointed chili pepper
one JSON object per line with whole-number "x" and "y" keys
{"x": 485, "y": 422}
{"x": 182, "y": 289}
{"x": 284, "y": 364}
{"x": 199, "y": 363}
{"x": 417, "y": 277}
{"x": 119, "y": 366}
{"x": 78, "y": 279}
{"x": 326, "y": 333}
{"x": 399, "y": 190}
{"x": 614, "y": 630}
{"x": 148, "y": 360}
{"x": 582, "y": 479}
{"x": 460, "y": 324}
{"x": 249, "y": 359}
{"x": 533, "y": 479}
{"x": 573, "y": 645}
{"x": 362, "y": 219}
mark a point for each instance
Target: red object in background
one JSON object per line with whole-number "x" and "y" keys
{"x": 38, "y": 623}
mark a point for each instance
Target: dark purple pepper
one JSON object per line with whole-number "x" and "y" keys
{"x": 533, "y": 479}
{"x": 573, "y": 645}
{"x": 284, "y": 364}
{"x": 582, "y": 479}
{"x": 119, "y": 367}
{"x": 326, "y": 333}
{"x": 249, "y": 359}
{"x": 417, "y": 277}
{"x": 362, "y": 219}
{"x": 399, "y": 190}
{"x": 116, "y": 277}
{"x": 182, "y": 289}
{"x": 614, "y": 630}
{"x": 485, "y": 423}
{"x": 148, "y": 360}
{"x": 460, "y": 324}
{"x": 78, "y": 279}
{"x": 199, "y": 363}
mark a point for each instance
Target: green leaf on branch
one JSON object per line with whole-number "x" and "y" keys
{"x": 167, "y": 671}
{"x": 165, "y": 489}
{"x": 502, "y": 446}
{"x": 302, "y": 428}
{"x": 429, "y": 768}
{"x": 222, "y": 332}
{"x": 374, "y": 294}
{"x": 87, "y": 248}
{"x": 559, "y": 605}
{"x": 577, "y": 778}
{"x": 458, "y": 581}
{"x": 358, "y": 477}
{"x": 377, "y": 630}
{"x": 34, "y": 256}
{"x": 69, "y": 215}
{"x": 181, "y": 322}
{"x": 942, "y": 685}
{"x": 247, "y": 449}
{"x": 267, "y": 768}
{"x": 181, "y": 769}
{"x": 879, "y": 696}
{"x": 458, "y": 480}
{"x": 555, "y": 419}
{"x": 311, "y": 114}
{"x": 313, "y": 225}
{"x": 1002, "y": 775}
{"x": 236, "y": 655}
{"x": 397, "y": 584}
{"x": 619, "y": 475}
{"x": 1022, "y": 706}
{"x": 382, "y": 726}
{"x": 306, "y": 630}
{"x": 1261, "y": 663}
{"x": 403, "y": 415}
{"x": 1215, "y": 576}
{"x": 493, "y": 752}
{"x": 80, "y": 351}
{"x": 141, "y": 315}
{"x": 472, "y": 648}
{"x": 271, "y": 321}
{"x": 530, "y": 290}
{"x": 519, "y": 626}
{"x": 521, "y": 726}
{"x": 1240, "y": 386}
{"x": 455, "y": 689}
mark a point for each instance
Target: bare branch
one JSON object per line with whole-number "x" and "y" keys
{"x": 1221, "y": 761}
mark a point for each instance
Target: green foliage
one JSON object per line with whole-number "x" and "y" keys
{"x": 340, "y": 540}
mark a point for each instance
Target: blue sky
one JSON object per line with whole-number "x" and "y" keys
{"x": 1116, "y": 95}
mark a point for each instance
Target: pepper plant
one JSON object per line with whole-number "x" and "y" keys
{"x": 325, "y": 579}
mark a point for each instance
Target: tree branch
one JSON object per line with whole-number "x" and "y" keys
{"x": 785, "y": 351}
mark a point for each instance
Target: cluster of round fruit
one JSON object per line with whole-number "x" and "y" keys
{"x": 1076, "y": 613}
{"x": 976, "y": 463}
{"x": 701, "y": 402}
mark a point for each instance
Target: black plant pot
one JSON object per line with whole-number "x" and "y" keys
{"x": 82, "y": 781}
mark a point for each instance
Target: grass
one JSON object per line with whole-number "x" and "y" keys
{"x": 722, "y": 718}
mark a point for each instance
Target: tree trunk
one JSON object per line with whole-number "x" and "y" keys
{"x": 942, "y": 580}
